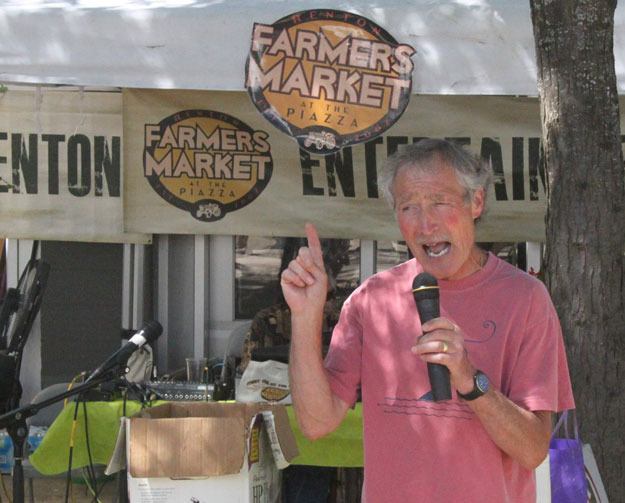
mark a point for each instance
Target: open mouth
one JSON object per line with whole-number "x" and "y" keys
{"x": 439, "y": 249}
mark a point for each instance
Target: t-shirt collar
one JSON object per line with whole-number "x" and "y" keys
{"x": 472, "y": 280}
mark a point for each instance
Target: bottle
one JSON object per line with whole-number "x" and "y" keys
{"x": 35, "y": 436}
{"x": 6, "y": 453}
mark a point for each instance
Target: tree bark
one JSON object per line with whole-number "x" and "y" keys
{"x": 585, "y": 219}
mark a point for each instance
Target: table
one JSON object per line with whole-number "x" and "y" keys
{"x": 341, "y": 448}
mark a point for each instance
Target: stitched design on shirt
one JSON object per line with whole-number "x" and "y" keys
{"x": 424, "y": 406}
{"x": 490, "y": 329}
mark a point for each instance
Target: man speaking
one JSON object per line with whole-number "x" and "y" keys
{"x": 498, "y": 336}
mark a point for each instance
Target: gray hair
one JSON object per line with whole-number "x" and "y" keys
{"x": 472, "y": 172}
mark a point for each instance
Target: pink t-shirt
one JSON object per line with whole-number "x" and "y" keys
{"x": 419, "y": 450}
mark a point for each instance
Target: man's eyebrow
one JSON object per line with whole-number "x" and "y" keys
{"x": 442, "y": 196}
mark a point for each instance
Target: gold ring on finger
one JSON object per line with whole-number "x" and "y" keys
{"x": 445, "y": 347}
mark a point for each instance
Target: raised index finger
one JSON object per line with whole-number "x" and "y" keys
{"x": 314, "y": 245}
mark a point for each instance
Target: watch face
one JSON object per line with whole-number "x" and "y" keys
{"x": 482, "y": 382}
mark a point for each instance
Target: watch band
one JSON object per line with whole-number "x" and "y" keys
{"x": 481, "y": 385}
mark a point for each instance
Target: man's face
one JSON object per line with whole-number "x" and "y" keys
{"x": 437, "y": 220}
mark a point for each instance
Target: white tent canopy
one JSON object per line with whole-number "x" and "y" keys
{"x": 465, "y": 47}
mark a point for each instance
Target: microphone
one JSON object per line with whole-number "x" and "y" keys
{"x": 148, "y": 333}
{"x": 426, "y": 296}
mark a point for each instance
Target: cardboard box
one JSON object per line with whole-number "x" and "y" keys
{"x": 207, "y": 452}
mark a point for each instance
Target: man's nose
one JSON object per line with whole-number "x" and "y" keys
{"x": 427, "y": 222}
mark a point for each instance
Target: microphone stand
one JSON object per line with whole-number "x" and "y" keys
{"x": 15, "y": 423}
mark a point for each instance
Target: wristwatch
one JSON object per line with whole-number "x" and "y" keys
{"x": 481, "y": 385}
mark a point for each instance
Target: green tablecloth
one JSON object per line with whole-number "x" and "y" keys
{"x": 341, "y": 448}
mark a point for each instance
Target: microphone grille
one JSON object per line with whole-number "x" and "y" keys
{"x": 152, "y": 330}
{"x": 424, "y": 285}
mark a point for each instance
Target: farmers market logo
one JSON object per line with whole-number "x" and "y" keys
{"x": 207, "y": 163}
{"x": 328, "y": 78}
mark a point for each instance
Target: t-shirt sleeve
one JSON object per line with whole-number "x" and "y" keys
{"x": 343, "y": 361}
{"x": 540, "y": 378}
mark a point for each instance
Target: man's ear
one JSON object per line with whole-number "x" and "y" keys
{"x": 477, "y": 203}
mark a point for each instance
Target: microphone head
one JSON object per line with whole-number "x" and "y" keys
{"x": 151, "y": 330}
{"x": 424, "y": 286}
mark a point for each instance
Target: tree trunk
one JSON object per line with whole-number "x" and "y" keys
{"x": 586, "y": 214}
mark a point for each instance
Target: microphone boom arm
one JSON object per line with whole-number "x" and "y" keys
{"x": 15, "y": 423}
{"x": 23, "y": 413}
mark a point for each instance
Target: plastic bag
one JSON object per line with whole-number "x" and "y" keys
{"x": 566, "y": 462}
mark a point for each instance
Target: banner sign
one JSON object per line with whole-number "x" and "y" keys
{"x": 61, "y": 166}
{"x": 205, "y": 162}
{"x": 281, "y": 186}
{"x": 328, "y": 78}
